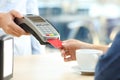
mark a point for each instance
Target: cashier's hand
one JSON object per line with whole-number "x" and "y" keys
{"x": 68, "y": 49}
{"x": 9, "y": 26}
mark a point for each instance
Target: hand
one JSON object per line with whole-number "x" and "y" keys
{"x": 9, "y": 26}
{"x": 69, "y": 48}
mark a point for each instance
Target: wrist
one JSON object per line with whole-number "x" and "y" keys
{"x": 84, "y": 45}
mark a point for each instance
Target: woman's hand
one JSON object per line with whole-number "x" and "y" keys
{"x": 69, "y": 48}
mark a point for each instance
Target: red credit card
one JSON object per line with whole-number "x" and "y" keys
{"x": 55, "y": 42}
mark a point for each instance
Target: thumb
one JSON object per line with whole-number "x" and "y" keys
{"x": 63, "y": 43}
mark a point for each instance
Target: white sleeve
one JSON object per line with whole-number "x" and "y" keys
{"x": 32, "y": 7}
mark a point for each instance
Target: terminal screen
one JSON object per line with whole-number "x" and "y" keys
{"x": 36, "y": 19}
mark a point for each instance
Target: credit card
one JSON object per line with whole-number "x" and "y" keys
{"x": 55, "y": 43}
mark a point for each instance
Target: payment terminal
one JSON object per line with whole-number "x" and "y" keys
{"x": 38, "y": 27}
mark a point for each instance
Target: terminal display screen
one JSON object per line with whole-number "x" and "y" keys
{"x": 36, "y": 19}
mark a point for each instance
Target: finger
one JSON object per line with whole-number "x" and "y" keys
{"x": 70, "y": 55}
{"x": 15, "y": 34}
{"x": 63, "y": 50}
{"x": 67, "y": 59}
{"x": 73, "y": 56}
{"x": 64, "y": 45}
{"x": 17, "y": 29}
{"x": 62, "y": 53}
{"x": 12, "y": 33}
{"x": 16, "y": 14}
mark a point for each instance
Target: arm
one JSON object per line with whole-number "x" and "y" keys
{"x": 84, "y": 45}
{"x": 70, "y": 46}
{"x": 8, "y": 25}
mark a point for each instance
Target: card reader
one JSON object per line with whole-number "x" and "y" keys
{"x": 38, "y": 27}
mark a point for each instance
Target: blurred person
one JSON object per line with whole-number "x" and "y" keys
{"x": 25, "y": 44}
{"x": 105, "y": 16}
{"x": 108, "y": 67}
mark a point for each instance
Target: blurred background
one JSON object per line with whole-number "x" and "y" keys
{"x": 92, "y": 21}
